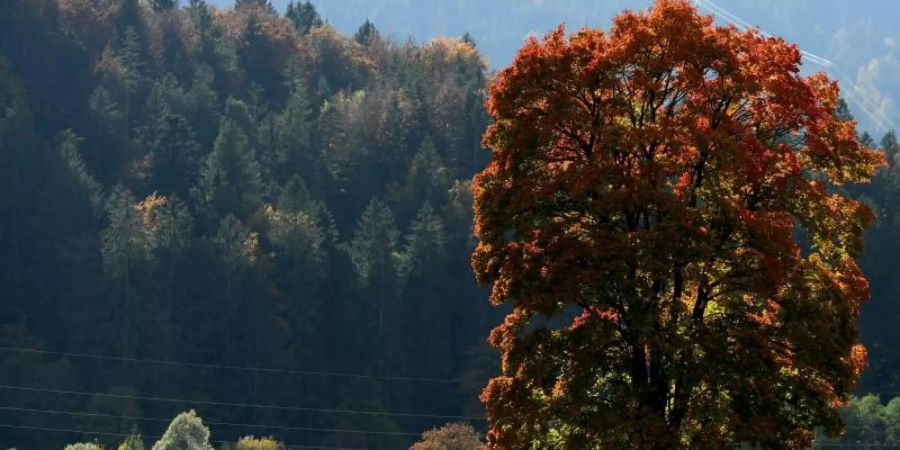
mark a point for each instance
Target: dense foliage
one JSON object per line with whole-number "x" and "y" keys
{"x": 236, "y": 188}
{"x": 665, "y": 214}
{"x": 252, "y": 215}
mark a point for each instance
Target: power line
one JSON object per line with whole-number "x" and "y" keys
{"x": 862, "y": 100}
{"x": 208, "y": 422}
{"x": 107, "y": 433}
{"x": 855, "y": 445}
{"x": 242, "y": 405}
{"x": 231, "y": 367}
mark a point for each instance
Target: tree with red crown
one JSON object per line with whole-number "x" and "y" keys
{"x": 663, "y": 214}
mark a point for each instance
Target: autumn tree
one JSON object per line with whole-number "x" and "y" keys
{"x": 84, "y": 446}
{"x": 133, "y": 441}
{"x": 252, "y": 443}
{"x": 453, "y": 436}
{"x": 662, "y": 216}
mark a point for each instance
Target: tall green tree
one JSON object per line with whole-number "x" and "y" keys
{"x": 303, "y": 15}
{"x": 132, "y": 56}
{"x": 373, "y": 251}
{"x": 230, "y": 177}
{"x": 70, "y": 152}
{"x": 163, "y": 5}
{"x": 367, "y": 34}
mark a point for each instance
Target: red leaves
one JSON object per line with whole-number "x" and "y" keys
{"x": 650, "y": 182}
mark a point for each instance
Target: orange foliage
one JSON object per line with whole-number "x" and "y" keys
{"x": 654, "y": 178}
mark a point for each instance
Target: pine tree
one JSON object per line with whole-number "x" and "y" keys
{"x": 105, "y": 109}
{"x": 172, "y": 223}
{"x": 373, "y": 252}
{"x": 237, "y": 245}
{"x": 258, "y": 53}
{"x": 163, "y": 5}
{"x": 230, "y": 176}
{"x": 203, "y": 105}
{"x": 294, "y": 133}
{"x": 468, "y": 39}
{"x": 265, "y": 4}
{"x": 367, "y": 34}
{"x": 127, "y": 247}
{"x": 125, "y": 243}
{"x": 298, "y": 235}
{"x": 129, "y": 15}
{"x": 427, "y": 177}
{"x": 304, "y": 16}
{"x": 168, "y": 139}
{"x": 69, "y": 149}
{"x": 424, "y": 246}
{"x": 131, "y": 54}
{"x": 890, "y": 146}
{"x": 200, "y": 15}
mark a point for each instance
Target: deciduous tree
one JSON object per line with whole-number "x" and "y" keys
{"x": 453, "y": 436}
{"x": 186, "y": 432}
{"x": 642, "y": 216}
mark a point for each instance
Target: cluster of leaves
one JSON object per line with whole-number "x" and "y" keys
{"x": 236, "y": 187}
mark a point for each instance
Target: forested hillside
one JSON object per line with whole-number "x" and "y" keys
{"x": 861, "y": 38}
{"x": 241, "y": 211}
{"x": 233, "y": 189}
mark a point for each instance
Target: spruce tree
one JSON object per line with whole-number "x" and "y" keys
{"x": 373, "y": 253}
{"x": 230, "y": 175}
{"x": 304, "y": 16}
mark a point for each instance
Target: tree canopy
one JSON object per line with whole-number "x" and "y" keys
{"x": 664, "y": 216}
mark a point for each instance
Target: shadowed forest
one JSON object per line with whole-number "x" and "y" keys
{"x": 247, "y": 214}
{"x": 236, "y": 188}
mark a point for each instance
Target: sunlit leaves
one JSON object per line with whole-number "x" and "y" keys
{"x": 185, "y": 432}
{"x": 651, "y": 183}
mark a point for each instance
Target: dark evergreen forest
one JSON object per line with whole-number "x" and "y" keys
{"x": 235, "y": 188}
{"x": 249, "y": 214}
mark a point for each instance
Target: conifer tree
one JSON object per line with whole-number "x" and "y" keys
{"x": 69, "y": 149}
{"x": 366, "y": 34}
{"x": 230, "y": 177}
{"x": 163, "y": 5}
{"x": 427, "y": 178}
{"x": 132, "y": 57}
{"x": 294, "y": 131}
{"x": 125, "y": 243}
{"x": 304, "y": 16}
{"x": 373, "y": 253}
{"x": 423, "y": 249}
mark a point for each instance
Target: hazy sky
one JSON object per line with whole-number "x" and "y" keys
{"x": 861, "y": 37}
